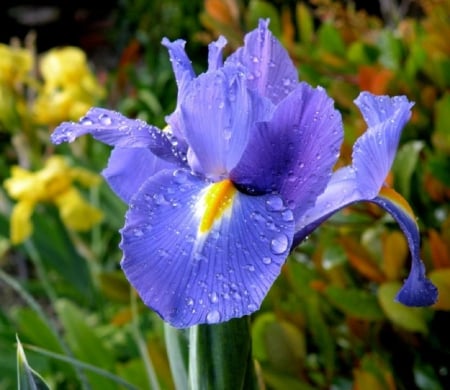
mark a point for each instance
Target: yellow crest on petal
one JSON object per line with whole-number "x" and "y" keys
{"x": 215, "y": 202}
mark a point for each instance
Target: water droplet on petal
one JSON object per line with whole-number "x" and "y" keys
{"x": 252, "y": 307}
{"x": 180, "y": 176}
{"x": 85, "y": 121}
{"x": 213, "y": 297}
{"x": 267, "y": 260}
{"x": 274, "y": 203}
{"x": 105, "y": 119}
{"x": 213, "y": 317}
{"x": 279, "y": 244}
{"x": 138, "y": 232}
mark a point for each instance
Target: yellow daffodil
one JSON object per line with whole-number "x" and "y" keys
{"x": 52, "y": 184}
{"x": 69, "y": 89}
{"x": 15, "y": 64}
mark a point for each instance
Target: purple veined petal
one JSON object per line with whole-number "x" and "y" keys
{"x": 181, "y": 64}
{"x": 129, "y": 168}
{"x": 112, "y": 128}
{"x": 270, "y": 70}
{"x": 374, "y": 151}
{"x": 341, "y": 191}
{"x": 215, "y": 55}
{"x": 191, "y": 271}
{"x": 417, "y": 289}
{"x": 294, "y": 153}
{"x": 218, "y": 112}
{"x": 184, "y": 74}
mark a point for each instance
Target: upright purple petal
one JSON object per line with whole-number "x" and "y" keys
{"x": 218, "y": 112}
{"x": 293, "y": 154}
{"x": 374, "y": 151}
{"x": 189, "y": 276}
{"x": 129, "y": 168}
{"x": 181, "y": 64}
{"x": 270, "y": 70}
{"x": 215, "y": 56}
{"x": 184, "y": 74}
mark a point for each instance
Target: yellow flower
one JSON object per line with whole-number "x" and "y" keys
{"x": 52, "y": 184}
{"x": 70, "y": 88}
{"x": 15, "y": 64}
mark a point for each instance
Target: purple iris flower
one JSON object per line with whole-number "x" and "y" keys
{"x": 242, "y": 174}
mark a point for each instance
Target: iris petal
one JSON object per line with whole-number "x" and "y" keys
{"x": 374, "y": 151}
{"x": 417, "y": 289}
{"x": 129, "y": 168}
{"x": 373, "y": 154}
{"x": 112, "y": 128}
{"x": 218, "y": 132}
{"x": 270, "y": 70}
{"x": 294, "y": 153}
{"x": 189, "y": 276}
{"x": 215, "y": 60}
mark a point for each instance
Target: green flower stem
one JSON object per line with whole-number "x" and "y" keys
{"x": 220, "y": 356}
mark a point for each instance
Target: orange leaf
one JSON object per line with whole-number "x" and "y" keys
{"x": 440, "y": 253}
{"x": 361, "y": 261}
{"x": 374, "y": 79}
{"x": 395, "y": 253}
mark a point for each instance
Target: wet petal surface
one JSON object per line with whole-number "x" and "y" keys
{"x": 293, "y": 154}
{"x": 192, "y": 275}
{"x": 270, "y": 70}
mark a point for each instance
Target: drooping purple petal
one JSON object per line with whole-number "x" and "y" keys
{"x": 294, "y": 153}
{"x": 129, "y": 168}
{"x": 373, "y": 154}
{"x": 417, "y": 289}
{"x": 218, "y": 112}
{"x": 270, "y": 70}
{"x": 190, "y": 277}
{"x": 113, "y": 128}
{"x": 374, "y": 151}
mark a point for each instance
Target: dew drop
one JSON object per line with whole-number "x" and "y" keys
{"x": 189, "y": 301}
{"x": 213, "y": 317}
{"x": 252, "y": 307}
{"x": 286, "y": 82}
{"x": 105, "y": 120}
{"x": 213, "y": 297}
{"x": 138, "y": 232}
{"x": 180, "y": 176}
{"x": 274, "y": 203}
{"x": 267, "y": 260}
{"x": 287, "y": 216}
{"x": 279, "y": 244}
{"x": 85, "y": 121}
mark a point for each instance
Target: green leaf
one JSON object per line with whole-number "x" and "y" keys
{"x": 330, "y": 39}
{"x": 409, "y": 318}
{"x": 441, "y": 135}
{"x": 85, "y": 343}
{"x": 305, "y": 23}
{"x": 278, "y": 343}
{"x": 27, "y": 378}
{"x": 58, "y": 252}
{"x": 355, "y": 303}
{"x": 391, "y": 50}
{"x": 405, "y": 164}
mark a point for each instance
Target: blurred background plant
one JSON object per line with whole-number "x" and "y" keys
{"x": 330, "y": 320}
